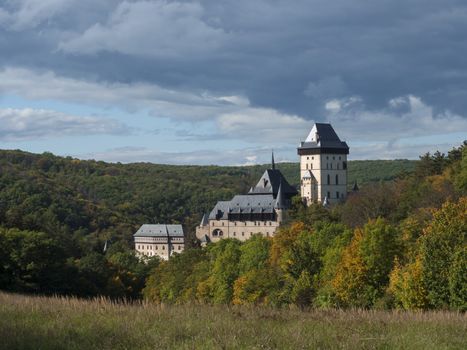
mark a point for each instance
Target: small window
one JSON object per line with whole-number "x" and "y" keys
{"x": 312, "y": 158}
{"x": 337, "y": 194}
{"x": 234, "y": 234}
{"x": 344, "y": 165}
{"x": 243, "y": 233}
{"x": 179, "y": 247}
{"x": 156, "y": 247}
{"x": 163, "y": 247}
{"x": 307, "y": 158}
{"x": 333, "y": 158}
{"x": 327, "y": 157}
{"x": 329, "y": 179}
{"x": 222, "y": 223}
{"x": 311, "y": 166}
{"x": 306, "y": 166}
{"x": 331, "y": 165}
{"x": 337, "y": 180}
{"x": 339, "y": 157}
{"x": 329, "y": 195}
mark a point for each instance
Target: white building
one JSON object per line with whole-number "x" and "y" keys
{"x": 323, "y": 166}
{"x": 160, "y": 240}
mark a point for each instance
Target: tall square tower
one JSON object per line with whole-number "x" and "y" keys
{"x": 323, "y": 166}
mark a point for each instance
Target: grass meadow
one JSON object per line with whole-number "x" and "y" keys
{"x": 31, "y": 322}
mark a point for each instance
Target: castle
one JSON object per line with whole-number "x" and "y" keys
{"x": 323, "y": 179}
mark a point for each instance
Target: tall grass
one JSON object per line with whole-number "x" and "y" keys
{"x": 66, "y": 323}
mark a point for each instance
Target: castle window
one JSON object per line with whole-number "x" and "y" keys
{"x": 311, "y": 166}
{"x": 306, "y": 166}
{"x": 337, "y": 180}
{"x": 337, "y": 194}
{"x": 334, "y": 158}
{"x": 329, "y": 179}
{"x": 222, "y": 224}
{"x": 163, "y": 247}
{"x": 234, "y": 234}
{"x": 337, "y": 166}
{"x": 329, "y": 194}
{"x": 331, "y": 165}
{"x": 312, "y": 158}
{"x": 156, "y": 247}
{"x": 307, "y": 158}
{"x": 243, "y": 233}
{"x": 339, "y": 157}
{"x": 179, "y": 248}
{"x": 327, "y": 157}
{"x": 235, "y": 223}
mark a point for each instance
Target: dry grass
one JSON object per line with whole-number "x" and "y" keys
{"x": 67, "y": 323}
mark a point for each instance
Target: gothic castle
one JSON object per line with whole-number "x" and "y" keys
{"x": 323, "y": 179}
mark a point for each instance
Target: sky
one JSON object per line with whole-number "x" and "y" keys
{"x": 225, "y": 82}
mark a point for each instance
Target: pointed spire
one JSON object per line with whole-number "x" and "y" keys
{"x": 280, "y": 198}
{"x": 355, "y": 187}
{"x": 204, "y": 221}
{"x": 326, "y": 201}
{"x": 273, "y": 163}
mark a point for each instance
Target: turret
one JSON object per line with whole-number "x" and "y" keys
{"x": 323, "y": 165}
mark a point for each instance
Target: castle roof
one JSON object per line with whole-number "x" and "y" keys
{"x": 269, "y": 184}
{"x": 323, "y": 139}
{"x": 272, "y": 191}
{"x": 159, "y": 230}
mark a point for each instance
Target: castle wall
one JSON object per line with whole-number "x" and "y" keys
{"x": 241, "y": 230}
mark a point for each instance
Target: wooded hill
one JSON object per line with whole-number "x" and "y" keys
{"x": 397, "y": 243}
{"x": 101, "y": 201}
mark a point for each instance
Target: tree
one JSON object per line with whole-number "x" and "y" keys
{"x": 363, "y": 273}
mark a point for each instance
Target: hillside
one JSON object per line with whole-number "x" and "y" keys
{"x": 55, "y": 194}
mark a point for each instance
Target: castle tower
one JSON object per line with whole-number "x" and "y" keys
{"x": 323, "y": 166}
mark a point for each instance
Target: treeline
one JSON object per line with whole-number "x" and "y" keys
{"x": 57, "y": 215}
{"x": 391, "y": 245}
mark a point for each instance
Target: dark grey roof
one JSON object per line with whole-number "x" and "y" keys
{"x": 159, "y": 230}
{"x": 326, "y": 138}
{"x": 270, "y": 182}
{"x": 309, "y": 175}
{"x": 280, "y": 202}
{"x": 240, "y": 204}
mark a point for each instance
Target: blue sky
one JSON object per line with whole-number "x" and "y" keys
{"x": 224, "y": 82}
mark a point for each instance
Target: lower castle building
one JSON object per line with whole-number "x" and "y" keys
{"x": 261, "y": 210}
{"x": 159, "y": 240}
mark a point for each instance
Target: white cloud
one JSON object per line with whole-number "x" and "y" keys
{"x": 30, "y": 13}
{"x": 150, "y": 28}
{"x": 407, "y": 128}
{"x": 28, "y": 124}
{"x": 263, "y": 125}
{"x": 233, "y": 115}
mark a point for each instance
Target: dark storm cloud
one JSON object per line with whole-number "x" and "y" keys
{"x": 290, "y": 56}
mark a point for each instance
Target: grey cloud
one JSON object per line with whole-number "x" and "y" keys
{"x": 27, "y": 124}
{"x": 294, "y": 58}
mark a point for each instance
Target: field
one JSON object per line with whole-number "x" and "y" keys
{"x": 66, "y": 323}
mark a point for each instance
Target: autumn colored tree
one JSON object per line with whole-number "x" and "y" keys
{"x": 363, "y": 272}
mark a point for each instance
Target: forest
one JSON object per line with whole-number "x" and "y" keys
{"x": 399, "y": 242}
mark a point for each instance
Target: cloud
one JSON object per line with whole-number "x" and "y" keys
{"x": 262, "y": 125}
{"x": 31, "y": 124}
{"x": 26, "y": 14}
{"x": 150, "y": 28}
{"x": 244, "y": 156}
